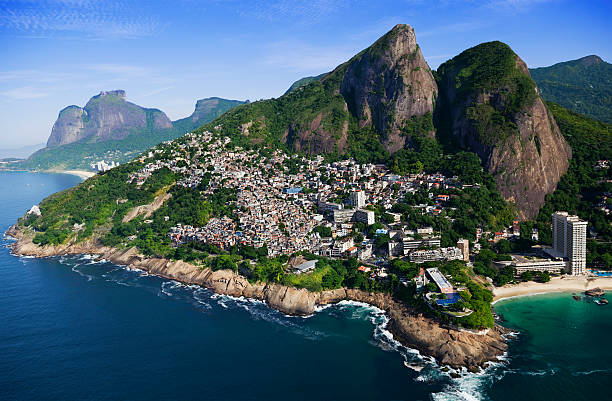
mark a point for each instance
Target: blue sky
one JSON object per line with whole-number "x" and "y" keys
{"x": 168, "y": 54}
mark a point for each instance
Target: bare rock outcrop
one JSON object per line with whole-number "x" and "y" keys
{"x": 106, "y": 116}
{"x": 389, "y": 83}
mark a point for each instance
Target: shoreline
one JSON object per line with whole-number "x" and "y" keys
{"x": 447, "y": 345}
{"x": 82, "y": 174}
{"x": 556, "y": 284}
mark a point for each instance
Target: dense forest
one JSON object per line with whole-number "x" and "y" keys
{"x": 583, "y": 86}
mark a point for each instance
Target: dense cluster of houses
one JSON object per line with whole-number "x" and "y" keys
{"x": 279, "y": 206}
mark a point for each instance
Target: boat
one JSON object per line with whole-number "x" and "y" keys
{"x": 577, "y": 297}
{"x": 601, "y": 301}
{"x": 594, "y": 292}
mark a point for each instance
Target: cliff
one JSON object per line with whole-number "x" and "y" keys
{"x": 371, "y": 98}
{"x": 495, "y": 110}
{"x": 389, "y": 83}
{"x": 447, "y": 345}
{"x": 107, "y": 116}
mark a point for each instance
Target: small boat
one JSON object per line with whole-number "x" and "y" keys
{"x": 577, "y": 297}
{"x": 602, "y": 301}
{"x": 594, "y": 292}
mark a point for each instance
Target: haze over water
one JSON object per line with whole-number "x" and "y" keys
{"x": 73, "y": 328}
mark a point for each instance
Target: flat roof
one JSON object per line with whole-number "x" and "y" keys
{"x": 439, "y": 279}
{"x": 306, "y": 265}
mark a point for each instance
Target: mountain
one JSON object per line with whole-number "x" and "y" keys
{"x": 107, "y": 116}
{"x": 21, "y": 152}
{"x": 583, "y": 85}
{"x": 371, "y": 101}
{"x": 381, "y": 104}
{"x": 205, "y": 111}
{"x": 492, "y": 108}
{"x": 304, "y": 81}
{"x": 110, "y": 128}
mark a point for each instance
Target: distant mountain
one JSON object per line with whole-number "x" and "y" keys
{"x": 107, "y": 116}
{"x": 583, "y": 85}
{"x": 111, "y": 128}
{"x": 21, "y": 152}
{"x": 304, "y": 81}
{"x": 205, "y": 111}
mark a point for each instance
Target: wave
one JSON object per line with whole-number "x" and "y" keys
{"x": 590, "y": 372}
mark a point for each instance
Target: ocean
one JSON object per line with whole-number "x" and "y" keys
{"x": 74, "y": 328}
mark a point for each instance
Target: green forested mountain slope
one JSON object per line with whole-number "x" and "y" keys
{"x": 583, "y": 85}
{"x": 304, "y": 81}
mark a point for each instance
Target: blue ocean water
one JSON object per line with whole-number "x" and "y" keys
{"x": 73, "y": 328}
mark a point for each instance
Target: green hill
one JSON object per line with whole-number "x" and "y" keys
{"x": 304, "y": 81}
{"x": 583, "y": 85}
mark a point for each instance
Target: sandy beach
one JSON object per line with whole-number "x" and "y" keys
{"x": 79, "y": 173}
{"x": 556, "y": 284}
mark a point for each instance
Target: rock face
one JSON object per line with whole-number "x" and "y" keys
{"x": 389, "y": 83}
{"x": 106, "y": 116}
{"x": 495, "y": 110}
{"x": 370, "y": 99}
{"x": 447, "y": 345}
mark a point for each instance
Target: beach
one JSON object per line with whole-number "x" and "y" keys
{"x": 556, "y": 284}
{"x": 82, "y": 174}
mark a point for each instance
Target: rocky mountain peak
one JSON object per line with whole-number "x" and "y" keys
{"x": 495, "y": 110}
{"x": 119, "y": 93}
{"x": 590, "y": 60}
{"x": 106, "y": 116}
{"x": 389, "y": 83}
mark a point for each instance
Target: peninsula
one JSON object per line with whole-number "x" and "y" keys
{"x": 378, "y": 182}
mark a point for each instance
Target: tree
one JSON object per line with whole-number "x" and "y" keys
{"x": 527, "y": 276}
{"x": 324, "y": 231}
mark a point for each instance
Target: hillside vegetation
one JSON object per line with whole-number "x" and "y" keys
{"x": 583, "y": 85}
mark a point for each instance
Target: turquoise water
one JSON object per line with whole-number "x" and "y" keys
{"x": 564, "y": 351}
{"x": 72, "y": 328}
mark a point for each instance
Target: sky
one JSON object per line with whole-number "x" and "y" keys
{"x": 168, "y": 54}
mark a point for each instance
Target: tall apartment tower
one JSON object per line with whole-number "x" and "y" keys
{"x": 464, "y": 246}
{"x": 358, "y": 199}
{"x": 569, "y": 241}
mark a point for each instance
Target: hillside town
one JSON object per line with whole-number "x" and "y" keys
{"x": 281, "y": 207}
{"x": 292, "y": 204}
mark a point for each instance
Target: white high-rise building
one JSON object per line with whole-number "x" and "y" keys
{"x": 569, "y": 241}
{"x": 358, "y": 199}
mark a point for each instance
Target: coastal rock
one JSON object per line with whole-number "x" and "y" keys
{"x": 448, "y": 345}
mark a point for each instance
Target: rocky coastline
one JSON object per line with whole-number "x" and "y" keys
{"x": 449, "y": 346}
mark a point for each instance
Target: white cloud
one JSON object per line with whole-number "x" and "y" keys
{"x": 305, "y": 12}
{"x": 23, "y": 93}
{"x": 83, "y": 18}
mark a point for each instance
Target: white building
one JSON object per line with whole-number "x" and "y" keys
{"x": 358, "y": 199}
{"x": 569, "y": 241}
